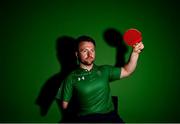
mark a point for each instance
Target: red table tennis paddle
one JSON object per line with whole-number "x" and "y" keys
{"x": 132, "y": 36}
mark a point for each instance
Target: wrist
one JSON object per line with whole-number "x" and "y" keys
{"x": 135, "y": 53}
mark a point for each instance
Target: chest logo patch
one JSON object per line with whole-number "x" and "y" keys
{"x": 81, "y": 78}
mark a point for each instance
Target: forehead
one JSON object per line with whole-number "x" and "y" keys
{"x": 85, "y": 44}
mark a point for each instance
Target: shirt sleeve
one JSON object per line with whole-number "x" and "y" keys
{"x": 114, "y": 73}
{"x": 65, "y": 91}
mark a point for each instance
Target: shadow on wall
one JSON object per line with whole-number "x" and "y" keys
{"x": 65, "y": 52}
{"x": 114, "y": 39}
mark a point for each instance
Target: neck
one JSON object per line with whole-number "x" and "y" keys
{"x": 88, "y": 67}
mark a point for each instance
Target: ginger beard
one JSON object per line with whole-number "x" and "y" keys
{"x": 87, "y": 61}
{"x": 86, "y": 54}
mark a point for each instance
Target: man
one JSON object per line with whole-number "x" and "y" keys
{"x": 89, "y": 85}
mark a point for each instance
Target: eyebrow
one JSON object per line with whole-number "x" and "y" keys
{"x": 85, "y": 49}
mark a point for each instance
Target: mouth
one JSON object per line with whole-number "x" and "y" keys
{"x": 90, "y": 58}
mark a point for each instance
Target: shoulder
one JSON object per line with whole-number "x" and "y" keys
{"x": 105, "y": 67}
{"x": 74, "y": 74}
{"x": 109, "y": 68}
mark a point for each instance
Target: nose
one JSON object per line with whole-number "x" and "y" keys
{"x": 89, "y": 53}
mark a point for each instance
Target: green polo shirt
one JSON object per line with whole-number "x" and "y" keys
{"x": 90, "y": 89}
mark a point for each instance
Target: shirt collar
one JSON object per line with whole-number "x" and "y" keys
{"x": 81, "y": 70}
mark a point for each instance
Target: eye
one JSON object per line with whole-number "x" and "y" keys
{"x": 84, "y": 51}
{"x": 92, "y": 50}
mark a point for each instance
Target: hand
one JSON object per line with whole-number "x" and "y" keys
{"x": 138, "y": 47}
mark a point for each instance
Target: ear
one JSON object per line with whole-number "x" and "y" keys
{"x": 76, "y": 53}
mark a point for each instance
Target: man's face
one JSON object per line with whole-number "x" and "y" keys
{"x": 86, "y": 53}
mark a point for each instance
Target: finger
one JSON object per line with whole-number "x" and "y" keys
{"x": 136, "y": 45}
{"x": 139, "y": 49}
{"x": 140, "y": 45}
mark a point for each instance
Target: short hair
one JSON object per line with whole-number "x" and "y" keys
{"x": 84, "y": 38}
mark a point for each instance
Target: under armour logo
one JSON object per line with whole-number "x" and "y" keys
{"x": 81, "y": 78}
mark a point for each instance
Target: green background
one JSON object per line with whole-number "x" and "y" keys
{"x": 29, "y": 30}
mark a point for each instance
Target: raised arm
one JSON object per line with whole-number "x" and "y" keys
{"x": 129, "y": 68}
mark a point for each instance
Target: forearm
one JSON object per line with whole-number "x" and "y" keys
{"x": 129, "y": 68}
{"x": 132, "y": 63}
